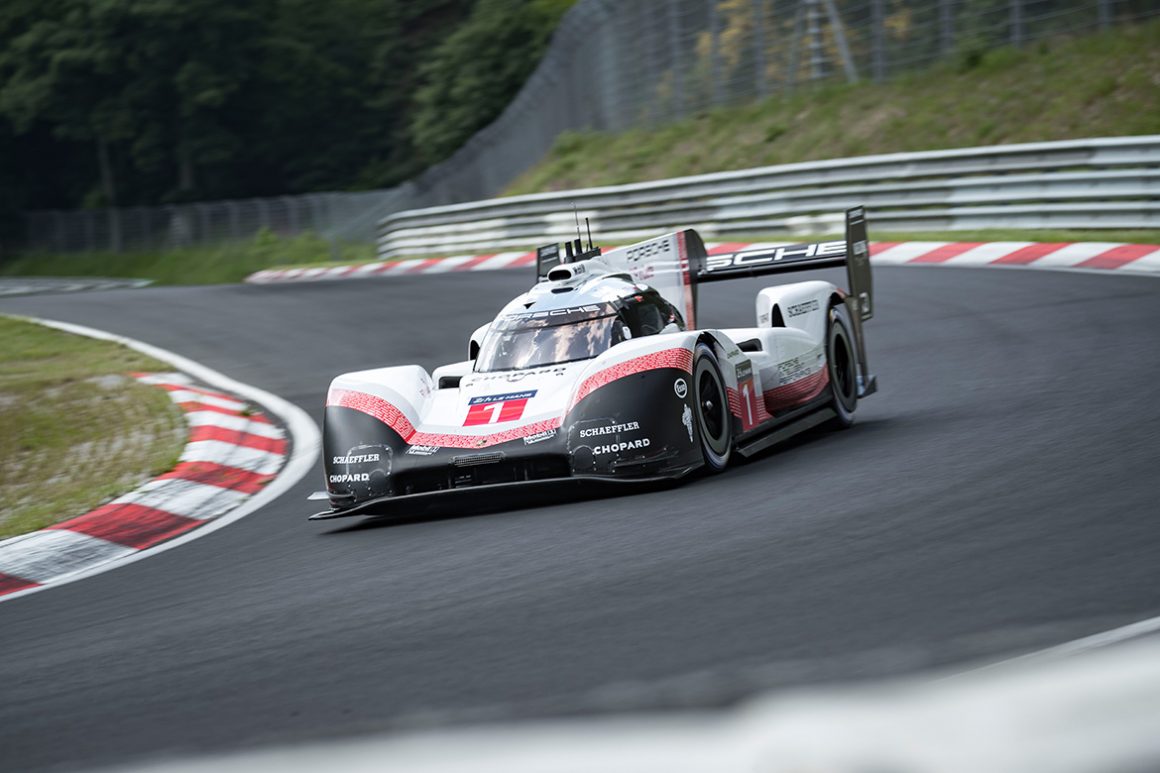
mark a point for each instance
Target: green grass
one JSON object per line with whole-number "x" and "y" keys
{"x": 75, "y": 429}
{"x": 1099, "y": 85}
{"x": 191, "y": 265}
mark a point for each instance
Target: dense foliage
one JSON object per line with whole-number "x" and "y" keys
{"x": 152, "y": 101}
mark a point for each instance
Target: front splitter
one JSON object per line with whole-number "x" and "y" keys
{"x": 498, "y": 494}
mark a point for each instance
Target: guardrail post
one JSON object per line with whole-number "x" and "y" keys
{"x": 1017, "y": 23}
{"x": 1104, "y": 13}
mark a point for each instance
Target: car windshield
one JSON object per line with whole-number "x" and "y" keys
{"x": 530, "y": 347}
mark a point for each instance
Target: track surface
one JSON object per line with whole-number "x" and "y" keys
{"x": 998, "y": 495}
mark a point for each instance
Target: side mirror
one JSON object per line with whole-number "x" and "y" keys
{"x": 476, "y": 341}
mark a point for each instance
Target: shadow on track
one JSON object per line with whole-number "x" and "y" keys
{"x": 435, "y": 510}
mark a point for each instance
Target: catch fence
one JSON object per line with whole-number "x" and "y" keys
{"x": 613, "y": 65}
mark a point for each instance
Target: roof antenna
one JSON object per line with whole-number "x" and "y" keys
{"x": 589, "y": 227}
{"x": 576, "y": 213}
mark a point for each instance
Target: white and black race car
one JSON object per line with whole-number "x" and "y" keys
{"x": 599, "y": 375}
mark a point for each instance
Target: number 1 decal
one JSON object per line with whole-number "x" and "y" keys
{"x": 750, "y": 412}
{"x": 495, "y": 409}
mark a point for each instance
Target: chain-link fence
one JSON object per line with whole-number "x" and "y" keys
{"x": 617, "y": 64}
{"x": 338, "y": 216}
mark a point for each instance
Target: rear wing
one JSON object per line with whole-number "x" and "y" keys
{"x": 853, "y": 253}
{"x": 675, "y": 263}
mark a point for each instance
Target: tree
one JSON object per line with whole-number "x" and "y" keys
{"x": 473, "y": 75}
{"x": 176, "y": 100}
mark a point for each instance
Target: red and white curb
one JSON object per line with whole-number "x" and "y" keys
{"x": 236, "y": 460}
{"x": 1103, "y": 256}
{"x": 233, "y": 451}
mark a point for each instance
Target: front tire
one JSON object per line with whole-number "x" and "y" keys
{"x": 842, "y": 363}
{"x": 714, "y": 423}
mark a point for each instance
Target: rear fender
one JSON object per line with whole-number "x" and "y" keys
{"x": 801, "y": 305}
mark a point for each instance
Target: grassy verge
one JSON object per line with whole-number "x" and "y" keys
{"x": 1099, "y": 85}
{"x": 192, "y": 265}
{"x": 75, "y": 429}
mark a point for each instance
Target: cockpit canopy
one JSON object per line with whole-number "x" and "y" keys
{"x": 553, "y": 336}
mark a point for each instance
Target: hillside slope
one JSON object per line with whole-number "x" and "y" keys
{"x": 1099, "y": 85}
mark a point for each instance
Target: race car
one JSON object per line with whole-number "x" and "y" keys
{"x": 600, "y": 376}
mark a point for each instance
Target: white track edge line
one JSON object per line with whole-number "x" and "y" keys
{"x": 1094, "y": 641}
{"x": 304, "y": 434}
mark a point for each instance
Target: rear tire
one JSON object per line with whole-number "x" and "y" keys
{"x": 714, "y": 422}
{"x": 842, "y": 363}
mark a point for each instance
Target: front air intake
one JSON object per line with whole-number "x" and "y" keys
{"x": 472, "y": 460}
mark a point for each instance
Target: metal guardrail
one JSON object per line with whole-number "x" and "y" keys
{"x": 1095, "y": 183}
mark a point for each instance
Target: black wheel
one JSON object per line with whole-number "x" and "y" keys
{"x": 713, "y": 419}
{"x": 842, "y": 363}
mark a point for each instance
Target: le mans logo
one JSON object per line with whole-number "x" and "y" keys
{"x": 494, "y": 409}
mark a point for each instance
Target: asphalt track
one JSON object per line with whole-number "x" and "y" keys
{"x": 998, "y": 495}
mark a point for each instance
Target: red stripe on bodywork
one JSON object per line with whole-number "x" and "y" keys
{"x": 131, "y": 525}
{"x": 1028, "y": 254}
{"x": 238, "y": 438}
{"x": 760, "y": 416}
{"x": 219, "y": 475}
{"x": 388, "y": 414}
{"x": 372, "y": 405}
{"x": 677, "y": 358}
{"x": 384, "y": 411}
{"x": 795, "y": 393}
{"x": 1118, "y": 256}
{"x": 10, "y": 584}
{"x": 946, "y": 252}
{"x": 482, "y": 441}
